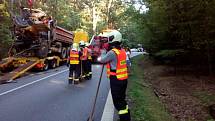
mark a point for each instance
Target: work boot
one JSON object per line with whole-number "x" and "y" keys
{"x": 90, "y": 75}
{"x": 87, "y": 77}
{"x": 70, "y": 80}
{"x": 125, "y": 117}
{"x": 76, "y": 81}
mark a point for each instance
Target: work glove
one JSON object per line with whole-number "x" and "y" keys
{"x": 103, "y": 53}
{"x": 99, "y": 59}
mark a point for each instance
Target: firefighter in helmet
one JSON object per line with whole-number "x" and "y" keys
{"x": 115, "y": 59}
{"x": 89, "y": 61}
{"x": 83, "y": 59}
{"x": 74, "y": 64}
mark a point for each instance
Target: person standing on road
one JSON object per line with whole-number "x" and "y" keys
{"x": 89, "y": 61}
{"x": 117, "y": 73}
{"x": 84, "y": 56}
{"x": 74, "y": 64}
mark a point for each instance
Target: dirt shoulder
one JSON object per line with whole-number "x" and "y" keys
{"x": 144, "y": 104}
{"x": 185, "y": 95}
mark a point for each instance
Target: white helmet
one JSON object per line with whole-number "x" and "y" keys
{"x": 81, "y": 43}
{"x": 87, "y": 44}
{"x": 113, "y": 35}
{"x": 75, "y": 46}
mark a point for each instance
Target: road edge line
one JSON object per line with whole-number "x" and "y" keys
{"x": 12, "y": 90}
{"x": 108, "y": 112}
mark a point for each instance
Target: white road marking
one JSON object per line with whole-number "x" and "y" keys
{"x": 9, "y": 91}
{"x": 109, "y": 109}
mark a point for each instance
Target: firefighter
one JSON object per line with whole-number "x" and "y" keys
{"x": 83, "y": 60}
{"x": 117, "y": 73}
{"x": 74, "y": 64}
{"x": 89, "y": 61}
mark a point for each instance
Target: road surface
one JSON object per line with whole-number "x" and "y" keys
{"x": 46, "y": 96}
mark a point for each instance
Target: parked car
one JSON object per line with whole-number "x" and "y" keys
{"x": 134, "y": 50}
{"x": 140, "y": 49}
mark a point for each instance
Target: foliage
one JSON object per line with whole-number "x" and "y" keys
{"x": 171, "y": 25}
{"x": 5, "y": 36}
{"x": 145, "y": 106}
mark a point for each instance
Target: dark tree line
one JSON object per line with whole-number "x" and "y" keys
{"x": 179, "y": 31}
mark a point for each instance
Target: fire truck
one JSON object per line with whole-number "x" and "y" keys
{"x": 100, "y": 42}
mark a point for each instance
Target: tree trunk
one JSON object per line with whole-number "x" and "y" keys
{"x": 108, "y": 13}
{"x": 95, "y": 17}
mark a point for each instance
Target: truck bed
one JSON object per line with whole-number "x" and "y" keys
{"x": 63, "y": 35}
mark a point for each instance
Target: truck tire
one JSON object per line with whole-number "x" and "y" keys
{"x": 46, "y": 65}
{"x": 42, "y": 52}
{"x": 53, "y": 64}
{"x": 68, "y": 52}
{"x": 63, "y": 53}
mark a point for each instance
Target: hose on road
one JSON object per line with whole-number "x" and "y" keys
{"x": 97, "y": 91}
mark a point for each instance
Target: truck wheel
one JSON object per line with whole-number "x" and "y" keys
{"x": 63, "y": 53}
{"x": 53, "y": 64}
{"x": 42, "y": 52}
{"x": 46, "y": 65}
{"x": 68, "y": 52}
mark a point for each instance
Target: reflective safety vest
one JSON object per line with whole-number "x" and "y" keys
{"x": 121, "y": 68}
{"x": 74, "y": 57}
{"x": 85, "y": 54}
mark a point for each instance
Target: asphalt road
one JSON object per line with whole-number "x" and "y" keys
{"x": 47, "y": 96}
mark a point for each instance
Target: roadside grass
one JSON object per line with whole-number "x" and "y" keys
{"x": 206, "y": 98}
{"x": 145, "y": 106}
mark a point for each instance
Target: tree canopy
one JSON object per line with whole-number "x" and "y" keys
{"x": 180, "y": 31}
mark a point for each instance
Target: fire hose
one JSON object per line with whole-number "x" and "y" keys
{"x": 95, "y": 99}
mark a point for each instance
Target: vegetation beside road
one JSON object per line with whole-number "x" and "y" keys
{"x": 145, "y": 106}
{"x": 155, "y": 92}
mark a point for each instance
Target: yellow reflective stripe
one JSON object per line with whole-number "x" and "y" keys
{"x": 75, "y": 56}
{"x": 76, "y": 79}
{"x": 123, "y": 111}
{"x": 90, "y": 73}
{"x": 74, "y": 62}
{"x": 116, "y": 51}
{"x": 70, "y": 78}
{"x": 121, "y": 76}
{"x": 121, "y": 70}
{"x": 122, "y": 62}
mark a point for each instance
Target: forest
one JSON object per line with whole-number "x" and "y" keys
{"x": 175, "y": 32}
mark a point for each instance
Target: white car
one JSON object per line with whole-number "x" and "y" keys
{"x": 134, "y": 50}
